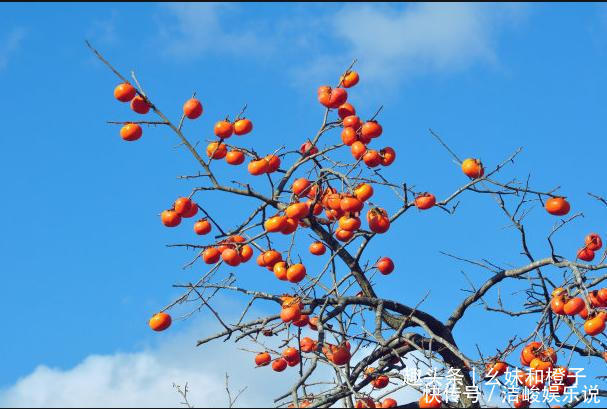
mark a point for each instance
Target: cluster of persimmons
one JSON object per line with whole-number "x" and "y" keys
{"x": 309, "y": 200}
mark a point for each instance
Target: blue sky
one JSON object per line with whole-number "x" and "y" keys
{"x": 83, "y": 256}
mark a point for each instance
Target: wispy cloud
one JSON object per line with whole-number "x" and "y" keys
{"x": 9, "y": 44}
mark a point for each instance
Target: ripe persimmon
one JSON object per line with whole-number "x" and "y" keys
{"x": 593, "y": 242}
{"x": 594, "y": 326}
{"x": 389, "y": 403}
{"x": 160, "y": 321}
{"x": 307, "y": 344}
{"x": 473, "y": 168}
{"x": 275, "y": 224}
{"x": 231, "y": 257}
{"x": 495, "y": 369}
{"x": 211, "y": 255}
{"x": 302, "y": 321}
{"x": 182, "y": 205}
{"x": 345, "y": 110}
{"x": 340, "y": 355}
{"x": 372, "y": 158}
{"x": 202, "y": 226}
{"x": 131, "y": 132}
{"x": 332, "y": 97}
{"x": 358, "y": 149}
{"x": 124, "y": 92}
{"x": 258, "y": 167}
{"x": 170, "y": 218}
{"x": 235, "y": 157}
{"x": 216, "y": 150}
{"x": 296, "y": 273}
{"x": 243, "y": 126}
{"x": 262, "y": 359}
{"x": 557, "y": 305}
{"x": 380, "y": 382}
{"x": 280, "y": 270}
{"x": 273, "y": 163}
{"x": 371, "y": 129}
{"x": 223, "y": 129}
{"x": 297, "y": 210}
{"x": 139, "y": 105}
{"x": 290, "y": 354}
{"x": 308, "y": 149}
{"x": 245, "y": 253}
{"x": 349, "y": 223}
{"x": 349, "y": 136}
{"x": 350, "y": 204}
{"x": 290, "y": 225}
{"x": 557, "y": 206}
{"x": 343, "y": 235}
{"x": 425, "y": 201}
{"x": 363, "y": 192}
{"x": 300, "y": 186}
{"x": 378, "y": 220}
{"x": 350, "y": 79}
{"x": 290, "y": 314}
{"x": 317, "y": 248}
{"x": 191, "y": 212}
{"x": 585, "y": 254}
{"x": 430, "y": 401}
{"x": 192, "y": 108}
{"x": 385, "y": 265}
{"x": 351, "y": 121}
{"x": 388, "y": 156}
{"x": 573, "y": 306}
{"x": 271, "y": 257}
{"x": 279, "y": 365}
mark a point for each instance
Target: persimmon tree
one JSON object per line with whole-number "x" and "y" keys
{"x": 315, "y": 205}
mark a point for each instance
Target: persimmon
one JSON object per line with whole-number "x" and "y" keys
{"x": 585, "y": 254}
{"x": 192, "y": 108}
{"x": 182, "y": 205}
{"x": 317, "y": 207}
{"x": 380, "y": 382}
{"x": 211, "y": 255}
{"x": 312, "y": 191}
{"x": 280, "y": 270}
{"x": 223, "y": 129}
{"x": 593, "y": 242}
{"x": 349, "y": 223}
{"x": 343, "y": 235}
{"x": 300, "y": 186}
{"x": 594, "y": 326}
{"x": 258, "y": 167}
{"x": 170, "y": 218}
{"x": 364, "y": 403}
{"x": 358, "y": 149}
{"x": 557, "y": 206}
{"x": 290, "y": 354}
{"x": 378, "y": 220}
{"x": 529, "y": 352}
{"x": 557, "y": 305}
{"x": 262, "y": 359}
{"x": 372, "y": 158}
{"x": 363, "y": 192}
{"x": 332, "y": 97}
{"x": 139, "y": 105}
{"x": 307, "y": 344}
{"x": 340, "y": 355}
{"x": 348, "y": 136}
{"x": 271, "y": 257}
{"x": 191, "y": 212}
{"x": 297, "y": 210}
{"x": 235, "y": 157}
{"x": 313, "y": 324}
{"x": 345, "y": 110}
{"x": 495, "y": 369}
{"x": 202, "y": 226}
{"x": 290, "y": 314}
{"x": 131, "y": 132}
{"x": 295, "y": 361}
{"x": 425, "y": 201}
{"x": 245, "y": 253}
{"x": 602, "y": 295}
{"x": 594, "y": 300}
{"x": 385, "y": 265}
{"x": 350, "y": 204}
{"x": 573, "y": 306}
{"x": 216, "y": 150}
{"x": 473, "y": 168}
{"x": 317, "y": 248}
{"x": 307, "y": 149}
{"x": 243, "y": 126}
{"x": 302, "y": 321}
{"x": 558, "y": 291}
{"x": 371, "y": 129}
{"x": 279, "y": 365}
{"x": 124, "y": 92}
{"x": 231, "y": 257}
{"x": 275, "y": 224}
{"x": 160, "y": 321}
{"x": 430, "y": 401}
{"x": 388, "y": 156}
{"x": 389, "y": 403}
{"x": 290, "y": 225}
{"x": 351, "y": 121}
{"x": 333, "y": 201}
{"x": 350, "y": 79}
{"x": 296, "y": 273}
{"x": 584, "y": 313}
{"x": 273, "y": 163}
{"x": 289, "y": 301}
{"x": 538, "y": 364}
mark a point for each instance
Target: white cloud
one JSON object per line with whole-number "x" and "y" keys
{"x": 10, "y": 44}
